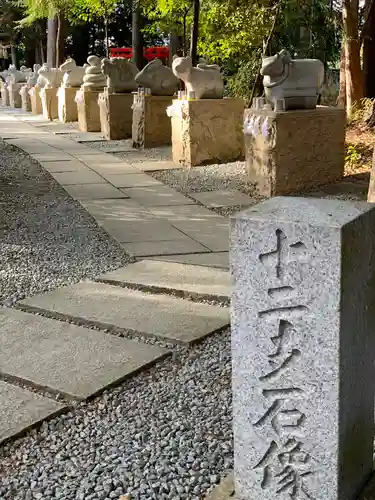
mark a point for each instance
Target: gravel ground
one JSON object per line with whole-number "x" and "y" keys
{"x": 47, "y": 239}
{"x": 163, "y": 435}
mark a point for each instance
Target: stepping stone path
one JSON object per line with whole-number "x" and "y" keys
{"x": 168, "y": 276}
{"x": 164, "y": 298}
{"x": 177, "y": 320}
{"x": 21, "y": 409}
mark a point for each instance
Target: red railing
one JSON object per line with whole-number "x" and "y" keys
{"x": 149, "y": 53}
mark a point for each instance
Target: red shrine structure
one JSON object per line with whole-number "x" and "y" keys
{"x": 150, "y": 53}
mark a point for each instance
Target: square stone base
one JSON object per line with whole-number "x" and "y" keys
{"x": 116, "y": 115}
{"x": 36, "y": 101}
{"x": 49, "y": 103}
{"x": 293, "y": 151}
{"x": 151, "y": 124}
{"x": 4, "y": 95}
{"x": 88, "y": 111}
{"x": 66, "y": 104}
{"x": 25, "y": 98}
{"x": 14, "y": 95}
{"x": 207, "y": 131}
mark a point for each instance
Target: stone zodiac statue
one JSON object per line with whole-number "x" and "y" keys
{"x": 159, "y": 78}
{"x": 297, "y": 81}
{"x": 120, "y": 74}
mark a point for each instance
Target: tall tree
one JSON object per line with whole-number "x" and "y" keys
{"x": 352, "y": 44}
{"x": 137, "y": 39}
{"x": 194, "y": 32}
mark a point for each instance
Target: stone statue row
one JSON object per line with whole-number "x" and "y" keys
{"x": 121, "y": 75}
{"x": 295, "y": 82}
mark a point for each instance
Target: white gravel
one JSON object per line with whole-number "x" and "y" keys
{"x": 47, "y": 239}
{"x": 163, "y": 435}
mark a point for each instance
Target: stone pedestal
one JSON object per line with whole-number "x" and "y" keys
{"x": 151, "y": 124}
{"x": 25, "y": 98}
{"x": 14, "y": 95}
{"x": 303, "y": 347}
{"x": 4, "y": 95}
{"x": 287, "y": 152}
{"x": 207, "y": 131}
{"x": 116, "y": 115}
{"x": 88, "y": 110}
{"x": 67, "y": 106}
{"x": 49, "y": 103}
{"x": 36, "y": 101}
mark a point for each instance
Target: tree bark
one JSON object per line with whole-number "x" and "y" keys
{"x": 175, "y": 45}
{"x": 194, "y": 32}
{"x": 51, "y": 42}
{"x": 354, "y": 75}
{"x": 341, "y": 101}
{"x": 137, "y": 38}
{"x": 60, "y": 41}
{"x": 368, "y": 55}
{"x": 13, "y": 50}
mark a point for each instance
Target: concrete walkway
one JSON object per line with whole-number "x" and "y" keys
{"x": 59, "y": 347}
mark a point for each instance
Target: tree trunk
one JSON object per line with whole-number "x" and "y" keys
{"x": 137, "y": 39}
{"x": 341, "y": 101}
{"x": 354, "y": 76}
{"x": 175, "y": 45}
{"x": 13, "y": 50}
{"x": 60, "y": 41}
{"x": 368, "y": 55}
{"x": 51, "y": 42}
{"x": 194, "y": 32}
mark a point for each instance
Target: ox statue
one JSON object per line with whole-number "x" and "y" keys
{"x": 297, "y": 81}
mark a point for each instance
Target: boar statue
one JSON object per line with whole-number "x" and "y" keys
{"x": 206, "y": 80}
{"x": 158, "y": 78}
{"x": 120, "y": 74}
{"x": 297, "y": 81}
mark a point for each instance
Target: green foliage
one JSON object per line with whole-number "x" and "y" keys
{"x": 353, "y": 157}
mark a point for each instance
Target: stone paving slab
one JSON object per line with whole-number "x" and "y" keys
{"x": 64, "y": 166}
{"x": 115, "y": 149}
{"x": 158, "y": 315}
{"x": 212, "y": 259}
{"x": 108, "y": 169}
{"x": 223, "y": 198}
{"x": 159, "y": 248}
{"x": 132, "y": 180}
{"x": 157, "y": 196}
{"x": 93, "y": 192}
{"x": 58, "y": 156}
{"x": 67, "y": 358}
{"x": 124, "y": 210}
{"x": 97, "y": 157}
{"x": 213, "y": 234}
{"x": 84, "y": 176}
{"x": 155, "y": 166}
{"x": 184, "y": 213}
{"x": 21, "y": 409}
{"x": 172, "y": 276}
{"x": 146, "y": 231}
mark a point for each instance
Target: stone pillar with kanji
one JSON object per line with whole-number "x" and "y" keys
{"x": 303, "y": 346}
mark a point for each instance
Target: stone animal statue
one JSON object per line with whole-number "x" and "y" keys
{"x": 93, "y": 78}
{"x": 205, "y": 80}
{"x": 73, "y": 74}
{"x": 52, "y": 76}
{"x": 297, "y": 81}
{"x": 159, "y": 78}
{"x": 41, "y": 81}
{"x": 33, "y": 78}
{"x": 15, "y": 76}
{"x": 120, "y": 74}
